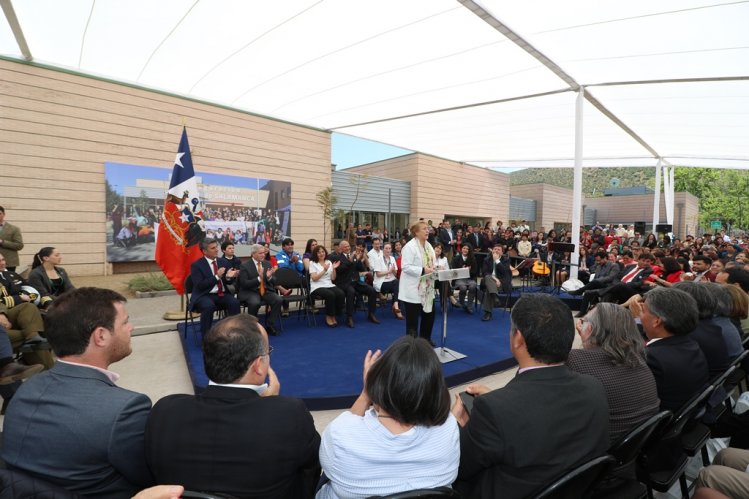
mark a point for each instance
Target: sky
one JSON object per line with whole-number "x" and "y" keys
{"x": 348, "y": 151}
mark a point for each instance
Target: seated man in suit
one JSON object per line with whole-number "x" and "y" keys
{"x": 632, "y": 280}
{"x": 511, "y": 444}
{"x": 238, "y": 437}
{"x": 72, "y": 426}
{"x": 209, "y": 285}
{"x": 256, "y": 286}
{"x": 668, "y": 316}
{"x": 631, "y": 275}
{"x": 347, "y": 278}
{"x": 497, "y": 275}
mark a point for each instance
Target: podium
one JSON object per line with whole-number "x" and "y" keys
{"x": 444, "y": 276}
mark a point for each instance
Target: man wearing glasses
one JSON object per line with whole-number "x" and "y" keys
{"x": 237, "y": 437}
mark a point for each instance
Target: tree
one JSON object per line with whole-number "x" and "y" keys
{"x": 330, "y": 214}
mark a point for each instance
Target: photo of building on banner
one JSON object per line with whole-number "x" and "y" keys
{"x": 238, "y": 209}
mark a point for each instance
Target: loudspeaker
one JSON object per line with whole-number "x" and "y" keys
{"x": 640, "y": 228}
{"x": 663, "y": 228}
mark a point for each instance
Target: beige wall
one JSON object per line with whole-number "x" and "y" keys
{"x": 553, "y": 204}
{"x": 58, "y": 129}
{"x": 440, "y": 186}
{"x": 639, "y": 208}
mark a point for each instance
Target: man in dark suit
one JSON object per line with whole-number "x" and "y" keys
{"x": 238, "y": 437}
{"x": 347, "y": 278}
{"x": 447, "y": 238}
{"x": 209, "y": 285}
{"x": 512, "y": 444}
{"x": 630, "y": 278}
{"x": 668, "y": 316}
{"x": 72, "y": 426}
{"x": 497, "y": 275}
{"x": 256, "y": 287}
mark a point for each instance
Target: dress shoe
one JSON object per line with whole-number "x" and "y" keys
{"x": 14, "y": 371}
{"x": 453, "y": 301}
{"x": 350, "y": 322}
{"x": 487, "y": 316}
{"x": 397, "y": 314}
{"x": 374, "y": 320}
{"x": 330, "y": 321}
{"x": 468, "y": 309}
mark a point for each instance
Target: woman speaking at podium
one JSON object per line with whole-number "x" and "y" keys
{"x": 417, "y": 260}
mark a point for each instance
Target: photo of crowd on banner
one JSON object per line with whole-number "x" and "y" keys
{"x": 135, "y": 197}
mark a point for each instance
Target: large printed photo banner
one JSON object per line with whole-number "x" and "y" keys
{"x": 242, "y": 210}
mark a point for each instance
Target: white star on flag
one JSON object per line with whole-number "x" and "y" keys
{"x": 178, "y": 159}
{"x": 185, "y": 217}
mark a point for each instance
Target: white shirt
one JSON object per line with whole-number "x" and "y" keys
{"x": 372, "y": 256}
{"x": 325, "y": 281}
{"x": 412, "y": 266}
{"x": 214, "y": 289}
{"x": 379, "y": 265}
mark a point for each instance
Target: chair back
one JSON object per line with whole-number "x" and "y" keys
{"x": 288, "y": 278}
{"x": 688, "y": 413}
{"x": 576, "y": 483}
{"x": 628, "y": 447}
{"x": 435, "y": 493}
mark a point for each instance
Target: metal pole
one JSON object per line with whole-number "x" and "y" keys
{"x": 577, "y": 189}
{"x": 656, "y": 197}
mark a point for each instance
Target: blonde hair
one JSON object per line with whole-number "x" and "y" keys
{"x": 415, "y": 226}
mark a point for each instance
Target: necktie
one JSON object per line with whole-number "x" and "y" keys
{"x": 262, "y": 278}
{"x": 631, "y": 274}
{"x": 219, "y": 283}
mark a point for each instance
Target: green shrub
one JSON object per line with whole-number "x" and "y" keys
{"x": 150, "y": 282}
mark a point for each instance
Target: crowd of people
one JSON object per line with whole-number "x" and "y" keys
{"x": 654, "y": 330}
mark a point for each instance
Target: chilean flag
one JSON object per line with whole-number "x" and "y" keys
{"x": 180, "y": 227}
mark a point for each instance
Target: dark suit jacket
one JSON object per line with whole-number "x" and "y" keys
{"x": 521, "y": 437}
{"x": 73, "y": 427}
{"x": 349, "y": 269}
{"x": 248, "y": 282}
{"x": 680, "y": 370}
{"x": 501, "y": 271}
{"x": 203, "y": 279}
{"x": 710, "y": 339}
{"x": 231, "y": 440}
{"x": 445, "y": 238}
{"x": 39, "y": 280}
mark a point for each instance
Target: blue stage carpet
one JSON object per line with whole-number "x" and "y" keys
{"x": 323, "y": 366}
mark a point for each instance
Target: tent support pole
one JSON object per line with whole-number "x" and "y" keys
{"x": 577, "y": 189}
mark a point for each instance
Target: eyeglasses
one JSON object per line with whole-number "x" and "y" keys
{"x": 270, "y": 351}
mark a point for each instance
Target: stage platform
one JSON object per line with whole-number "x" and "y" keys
{"x": 323, "y": 366}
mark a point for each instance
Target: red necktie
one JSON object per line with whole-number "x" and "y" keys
{"x": 631, "y": 275}
{"x": 218, "y": 283}
{"x": 262, "y": 279}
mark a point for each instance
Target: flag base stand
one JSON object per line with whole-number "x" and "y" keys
{"x": 177, "y": 315}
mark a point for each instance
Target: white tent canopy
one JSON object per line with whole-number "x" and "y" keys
{"x": 491, "y": 83}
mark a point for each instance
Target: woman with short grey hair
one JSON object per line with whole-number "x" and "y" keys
{"x": 613, "y": 352}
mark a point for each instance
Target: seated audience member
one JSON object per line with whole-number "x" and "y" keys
{"x": 238, "y": 437}
{"x": 375, "y": 253}
{"x": 47, "y": 276}
{"x": 630, "y": 281}
{"x": 668, "y": 316}
{"x": 727, "y": 474}
{"x": 700, "y": 270}
{"x": 605, "y": 273}
{"x": 322, "y": 273}
{"x": 441, "y": 263}
{"x": 724, "y": 308}
{"x": 256, "y": 287}
{"x": 348, "y": 279}
{"x": 707, "y": 333}
{"x": 229, "y": 261}
{"x": 739, "y": 311}
{"x": 72, "y": 426}
{"x": 399, "y": 434}
{"x": 288, "y": 258}
{"x": 209, "y": 285}
{"x": 496, "y": 275}
{"x": 524, "y": 246}
{"x": 736, "y": 277}
{"x": 670, "y": 275}
{"x": 465, "y": 259}
{"x": 614, "y": 353}
{"x": 385, "y": 270}
{"x": 510, "y": 451}
{"x": 309, "y": 253}
{"x": 21, "y": 318}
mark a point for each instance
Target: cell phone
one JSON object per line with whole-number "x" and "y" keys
{"x": 467, "y": 400}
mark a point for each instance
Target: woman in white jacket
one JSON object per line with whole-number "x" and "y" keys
{"x": 418, "y": 259}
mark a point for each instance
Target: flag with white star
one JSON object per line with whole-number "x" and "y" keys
{"x": 180, "y": 229}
